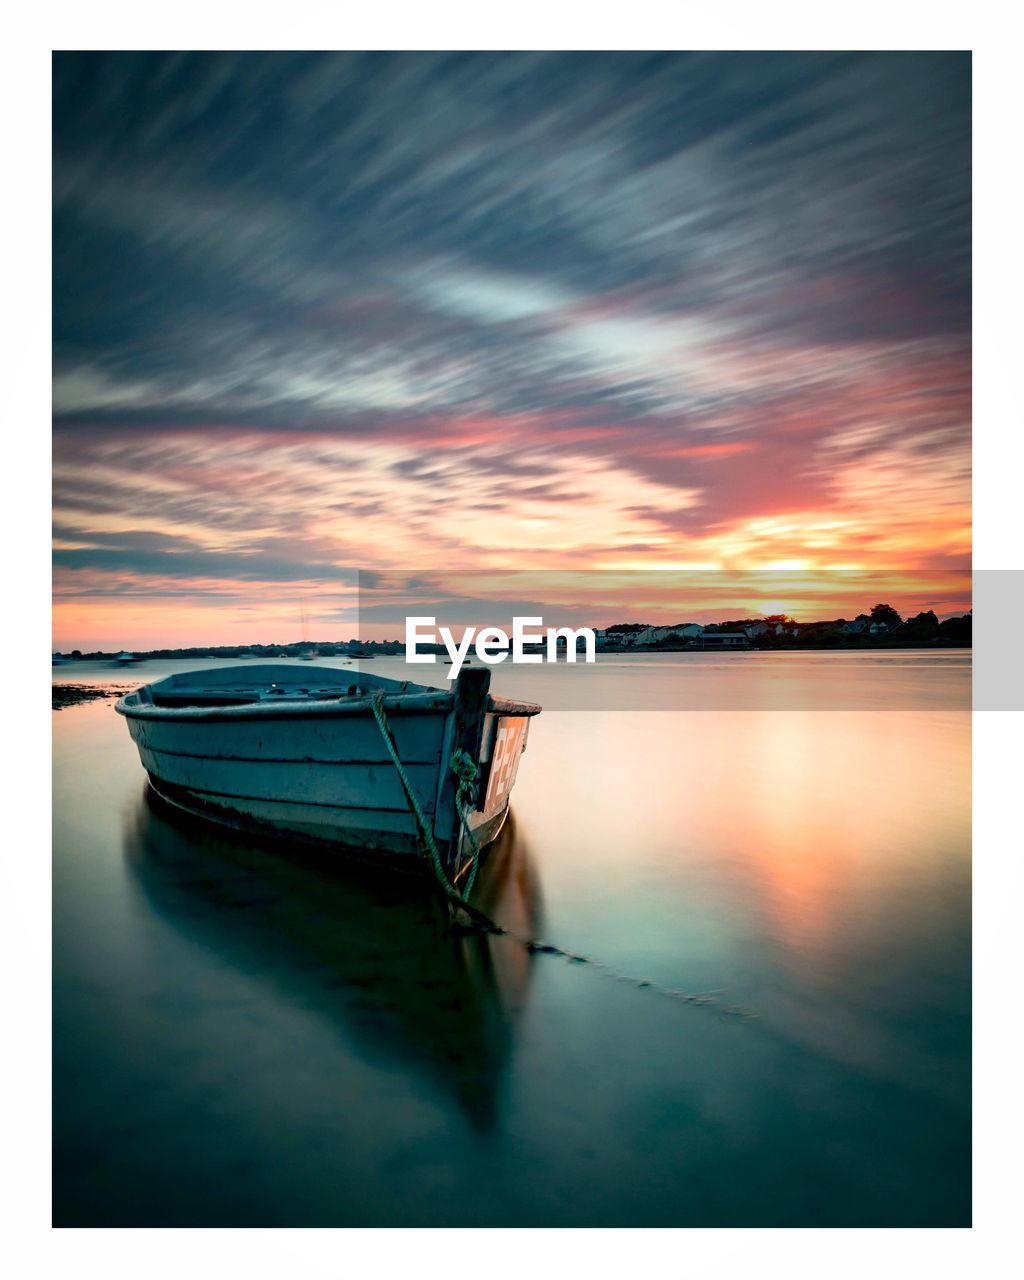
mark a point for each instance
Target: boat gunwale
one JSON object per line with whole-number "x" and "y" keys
{"x": 394, "y": 704}
{"x": 398, "y": 700}
{"x": 400, "y": 704}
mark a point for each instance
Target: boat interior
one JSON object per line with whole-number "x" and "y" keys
{"x": 234, "y": 687}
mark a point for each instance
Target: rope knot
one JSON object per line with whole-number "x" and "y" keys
{"x": 465, "y": 771}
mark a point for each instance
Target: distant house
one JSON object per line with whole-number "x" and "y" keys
{"x": 657, "y": 635}
{"x": 757, "y": 629}
{"x": 607, "y": 636}
{"x": 620, "y": 635}
{"x": 857, "y": 627}
{"x": 643, "y": 637}
{"x": 725, "y": 640}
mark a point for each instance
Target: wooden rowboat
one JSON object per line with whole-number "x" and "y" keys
{"x": 374, "y": 765}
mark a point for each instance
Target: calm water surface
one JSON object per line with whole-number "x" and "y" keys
{"x": 242, "y": 1038}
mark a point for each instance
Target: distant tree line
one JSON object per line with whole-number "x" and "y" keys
{"x": 881, "y": 626}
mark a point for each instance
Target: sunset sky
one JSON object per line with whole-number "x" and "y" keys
{"x": 429, "y": 314}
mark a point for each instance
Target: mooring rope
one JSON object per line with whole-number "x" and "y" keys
{"x": 426, "y": 836}
{"x": 466, "y": 772}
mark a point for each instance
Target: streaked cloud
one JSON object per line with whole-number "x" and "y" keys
{"x": 316, "y": 313}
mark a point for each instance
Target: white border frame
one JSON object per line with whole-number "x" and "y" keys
{"x": 32, "y": 1247}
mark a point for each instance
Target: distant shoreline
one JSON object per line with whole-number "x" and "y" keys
{"x": 385, "y": 649}
{"x": 863, "y": 646}
{"x": 883, "y": 628}
{"x": 70, "y": 695}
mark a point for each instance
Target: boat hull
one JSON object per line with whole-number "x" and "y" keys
{"x": 323, "y": 772}
{"x": 361, "y": 832}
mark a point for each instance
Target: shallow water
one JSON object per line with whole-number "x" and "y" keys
{"x": 242, "y": 1038}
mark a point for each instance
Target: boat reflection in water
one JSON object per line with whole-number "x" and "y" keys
{"x": 369, "y": 948}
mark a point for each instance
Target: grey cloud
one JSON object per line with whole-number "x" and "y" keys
{"x": 218, "y": 219}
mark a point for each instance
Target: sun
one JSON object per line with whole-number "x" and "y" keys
{"x": 771, "y": 607}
